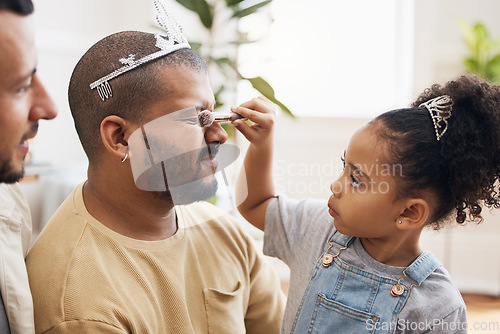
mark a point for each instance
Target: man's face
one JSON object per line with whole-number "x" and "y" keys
{"x": 181, "y": 150}
{"x": 23, "y": 99}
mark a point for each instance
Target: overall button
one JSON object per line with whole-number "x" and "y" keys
{"x": 327, "y": 260}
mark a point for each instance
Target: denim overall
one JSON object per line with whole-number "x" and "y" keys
{"x": 344, "y": 299}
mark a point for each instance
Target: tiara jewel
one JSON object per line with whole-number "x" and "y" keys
{"x": 440, "y": 110}
{"x": 165, "y": 20}
{"x": 128, "y": 61}
{"x": 173, "y": 41}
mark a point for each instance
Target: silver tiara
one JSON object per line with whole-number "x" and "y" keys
{"x": 440, "y": 109}
{"x": 173, "y": 41}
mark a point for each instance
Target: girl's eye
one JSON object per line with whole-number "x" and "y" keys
{"x": 355, "y": 183}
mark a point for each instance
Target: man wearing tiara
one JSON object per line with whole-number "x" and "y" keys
{"x": 125, "y": 253}
{"x": 23, "y": 102}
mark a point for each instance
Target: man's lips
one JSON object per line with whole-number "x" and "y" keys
{"x": 23, "y": 147}
{"x": 23, "y": 144}
{"x": 208, "y": 160}
{"x": 31, "y": 134}
{"x": 28, "y": 136}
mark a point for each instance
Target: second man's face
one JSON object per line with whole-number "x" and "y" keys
{"x": 23, "y": 98}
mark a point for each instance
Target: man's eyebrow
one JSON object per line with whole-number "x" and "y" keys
{"x": 20, "y": 80}
{"x": 206, "y": 106}
{"x": 187, "y": 112}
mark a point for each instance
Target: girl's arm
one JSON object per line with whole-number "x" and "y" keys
{"x": 255, "y": 188}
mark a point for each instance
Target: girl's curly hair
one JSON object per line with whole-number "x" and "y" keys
{"x": 463, "y": 168}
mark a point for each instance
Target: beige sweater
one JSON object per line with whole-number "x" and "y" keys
{"x": 207, "y": 278}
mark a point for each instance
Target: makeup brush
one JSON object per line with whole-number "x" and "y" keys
{"x": 207, "y": 118}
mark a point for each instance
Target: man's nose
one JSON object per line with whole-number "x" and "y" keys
{"x": 42, "y": 107}
{"x": 215, "y": 133}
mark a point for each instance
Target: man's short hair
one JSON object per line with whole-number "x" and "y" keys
{"x": 21, "y": 7}
{"x": 132, "y": 91}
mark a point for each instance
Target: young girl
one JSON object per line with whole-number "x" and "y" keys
{"x": 355, "y": 263}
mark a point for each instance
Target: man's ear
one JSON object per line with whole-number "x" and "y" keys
{"x": 114, "y": 134}
{"x": 415, "y": 214}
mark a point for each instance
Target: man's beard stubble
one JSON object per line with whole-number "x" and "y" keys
{"x": 189, "y": 193}
{"x": 185, "y": 188}
{"x": 8, "y": 173}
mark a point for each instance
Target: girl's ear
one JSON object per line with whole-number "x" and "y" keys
{"x": 415, "y": 214}
{"x": 114, "y": 135}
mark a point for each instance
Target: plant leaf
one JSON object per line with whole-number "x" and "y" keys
{"x": 250, "y": 10}
{"x": 229, "y": 128}
{"x": 196, "y": 46}
{"x": 223, "y": 61}
{"x": 217, "y": 95}
{"x": 471, "y": 65}
{"x": 480, "y": 31}
{"x": 263, "y": 87}
{"x": 202, "y": 8}
{"x": 468, "y": 34}
{"x": 218, "y": 104}
{"x": 205, "y": 13}
{"x": 495, "y": 61}
{"x": 225, "y": 65}
{"x": 493, "y": 68}
{"x": 189, "y": 4}
{"x": 242, "y": 42}
{"x": 231, "y": 3}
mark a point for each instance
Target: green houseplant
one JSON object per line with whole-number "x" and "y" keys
{"x": 484, "y": 51}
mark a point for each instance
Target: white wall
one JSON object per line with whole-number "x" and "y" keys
{"x": 323, "y": 57}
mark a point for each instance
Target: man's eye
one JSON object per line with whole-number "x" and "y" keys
{"x": 24, "y": 89}
{"x": 190, "y": 120}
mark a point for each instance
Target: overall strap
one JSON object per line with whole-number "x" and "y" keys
{"x": 422, "y": 267}
{"x": 341, "y": 239}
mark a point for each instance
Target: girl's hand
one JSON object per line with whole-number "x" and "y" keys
{"x": 261, "y": 112}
